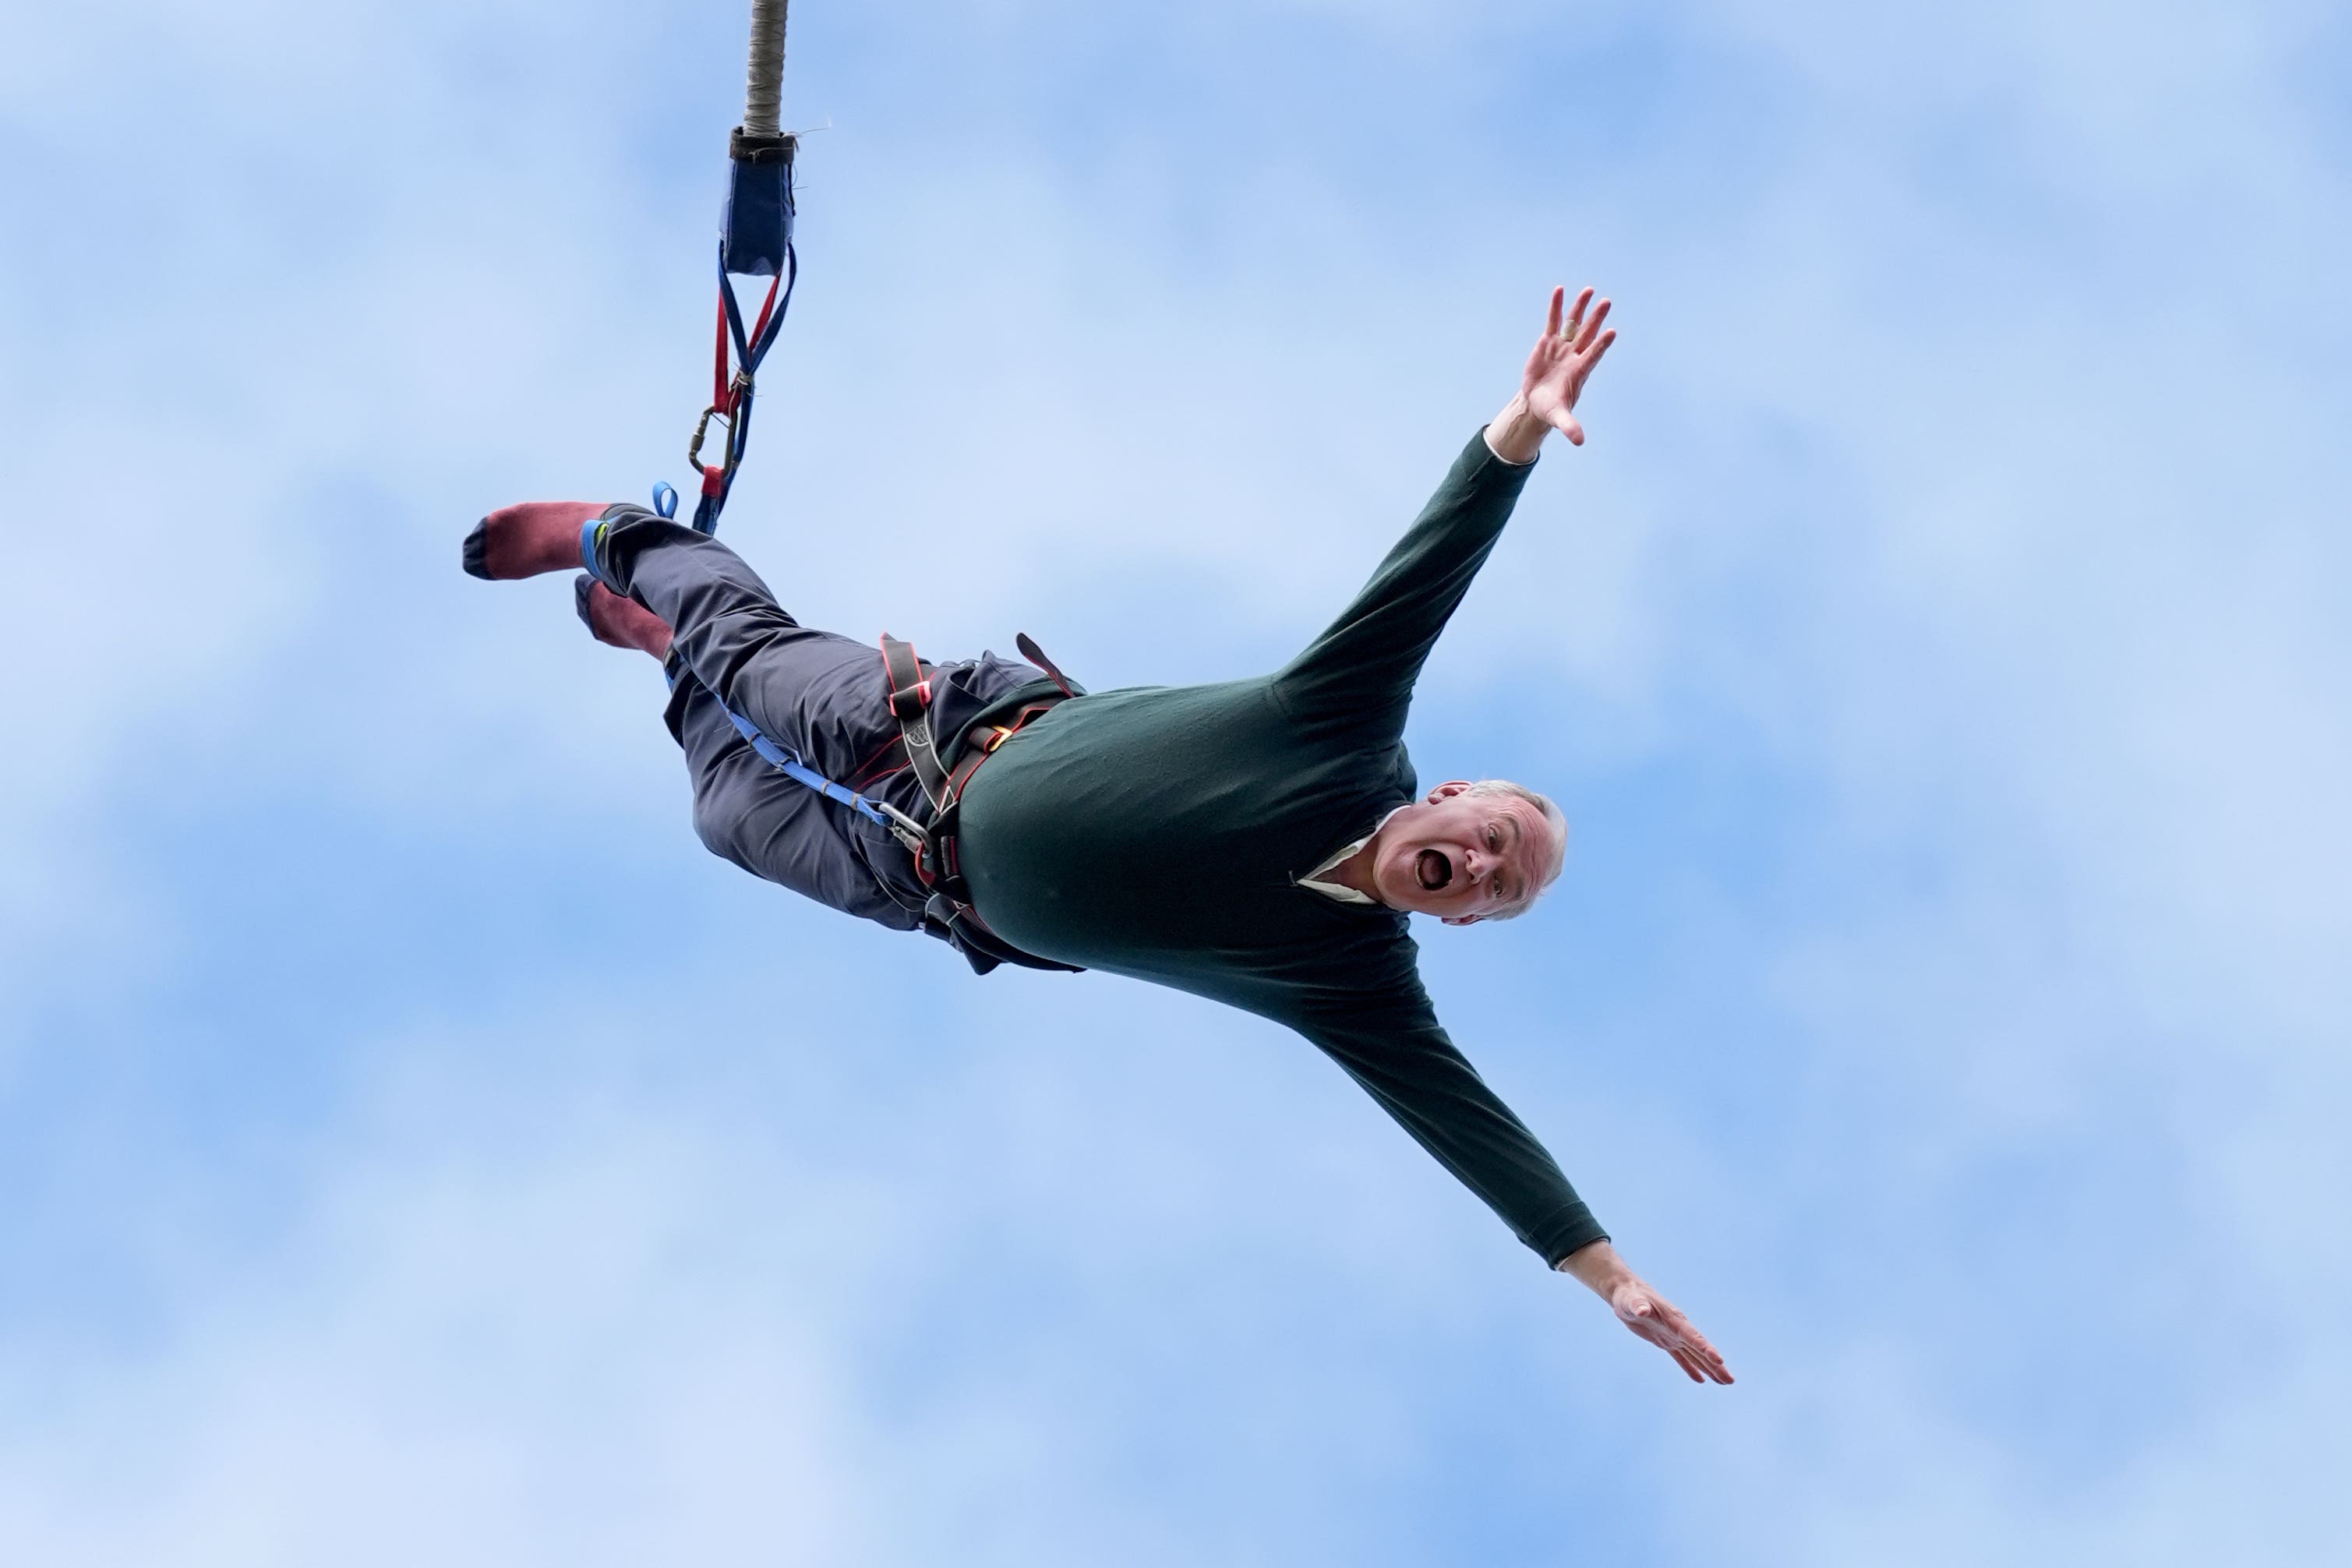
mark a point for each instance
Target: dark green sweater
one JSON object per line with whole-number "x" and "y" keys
{"x": 1157, "y": 832}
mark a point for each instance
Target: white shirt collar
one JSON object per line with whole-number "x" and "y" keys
{"x": 1341, "y": 890}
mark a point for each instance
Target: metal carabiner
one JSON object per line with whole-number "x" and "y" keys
{"x": 908, "y": 831}
{"x": 702, "y": 431}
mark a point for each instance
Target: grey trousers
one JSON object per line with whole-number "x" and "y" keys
{"x": 817, "y": 693}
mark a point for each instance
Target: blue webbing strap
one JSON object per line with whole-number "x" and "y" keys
{"x": 793, "y": 768}
{"x": 590, "y": 531}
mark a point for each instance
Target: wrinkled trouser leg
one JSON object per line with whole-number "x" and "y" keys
{"x": 747, "y": 812}
{"x": 817, "y": 693}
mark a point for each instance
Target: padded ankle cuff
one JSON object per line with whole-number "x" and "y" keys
{"x": 592, "y": 532}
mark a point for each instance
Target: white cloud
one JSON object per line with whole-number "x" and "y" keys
{"x": 612, "y": 1301}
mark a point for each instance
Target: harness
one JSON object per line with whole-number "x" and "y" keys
{"x": 934, "y": 844}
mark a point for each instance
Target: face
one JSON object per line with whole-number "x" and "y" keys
{"x": 1461, "y": 857}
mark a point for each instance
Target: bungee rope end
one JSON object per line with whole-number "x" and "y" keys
{"x": 755, "y": 240}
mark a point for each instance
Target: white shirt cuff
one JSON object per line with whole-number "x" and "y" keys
{"x": 1486, "y": 434}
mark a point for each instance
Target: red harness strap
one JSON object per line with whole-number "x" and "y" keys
{"x": 727, "y": 393}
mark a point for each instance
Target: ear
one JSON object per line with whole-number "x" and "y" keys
{"x": 1448, "y": 790}
{"x": 1460, "y": 920}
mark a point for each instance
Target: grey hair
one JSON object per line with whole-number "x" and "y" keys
{"x": 1553, "y": 817}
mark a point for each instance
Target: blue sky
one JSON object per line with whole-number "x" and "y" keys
{"x": 417, "y": 1149}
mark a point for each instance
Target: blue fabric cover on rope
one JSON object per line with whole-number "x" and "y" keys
{"x": 756, "y": 227}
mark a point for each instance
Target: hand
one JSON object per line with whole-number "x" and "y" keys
{"x": 1645, "y": 1313}
{"x": 1563, "y": 359}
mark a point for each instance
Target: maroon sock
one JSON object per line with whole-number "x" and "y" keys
{"x": 528, "y": 539}
{"x": 621, "y": 622}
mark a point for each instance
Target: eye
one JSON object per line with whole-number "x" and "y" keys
{"x": 1494, "y": 837}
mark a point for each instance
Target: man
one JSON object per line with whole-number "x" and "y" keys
{"x": 1257, "y": 842}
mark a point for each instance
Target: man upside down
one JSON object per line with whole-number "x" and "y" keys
{"x": 1262, "y": 843}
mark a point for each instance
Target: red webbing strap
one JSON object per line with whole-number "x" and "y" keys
{"x": 718, "y": 362}
{"x": 722, "y": 384}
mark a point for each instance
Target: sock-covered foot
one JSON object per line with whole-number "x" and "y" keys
{"x": 618, "y": 622}
{"x": 526, "y": 539}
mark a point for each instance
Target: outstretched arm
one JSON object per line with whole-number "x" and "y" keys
{"x": 1357, "y": 679}
{"x": 1384, "y": 1031}
{"x": 1380, "y": 1027}
{"x": 1359, "y": 675}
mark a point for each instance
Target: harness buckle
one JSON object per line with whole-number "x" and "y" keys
{"x": 909, "y": 704}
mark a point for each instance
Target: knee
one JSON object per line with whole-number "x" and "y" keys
{"x": 715, "y": 826}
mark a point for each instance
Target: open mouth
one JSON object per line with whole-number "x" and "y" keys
{"x": 1432, "y": 870}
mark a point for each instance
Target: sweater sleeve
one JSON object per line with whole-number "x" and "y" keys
{"x": 1388, "y": 1040}
{"x": 1361, "y": 672}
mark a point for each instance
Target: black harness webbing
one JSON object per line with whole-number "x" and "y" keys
{"x": 933, "y": 844}
{"x": 910, "y": 704}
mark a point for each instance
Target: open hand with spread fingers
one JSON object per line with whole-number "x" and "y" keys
{"x": 1645, "y": 1313}
{"x": 1563, "y": 359}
